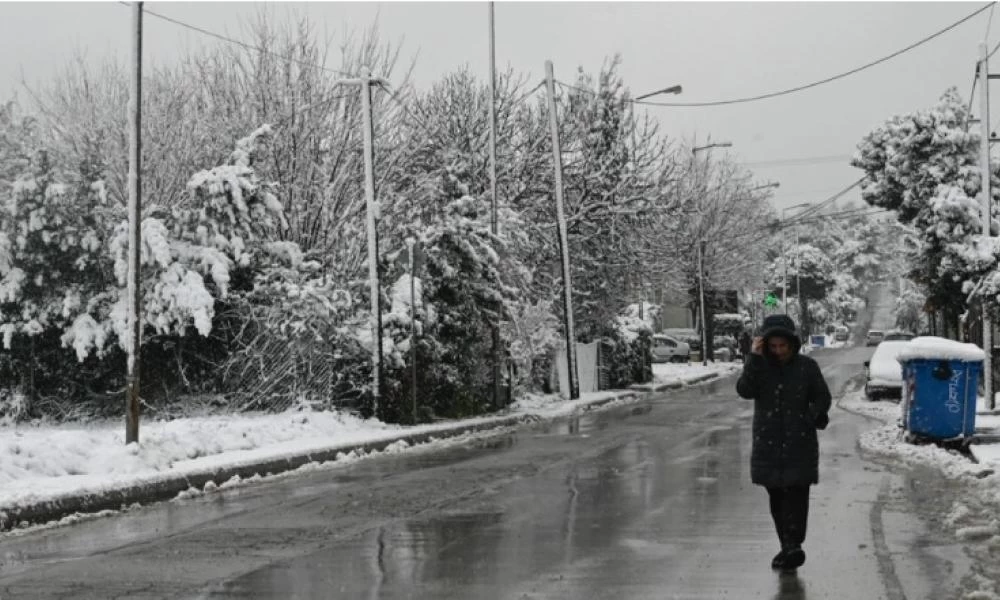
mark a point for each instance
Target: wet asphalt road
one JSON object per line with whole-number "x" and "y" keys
{"x": 650, "y": 500}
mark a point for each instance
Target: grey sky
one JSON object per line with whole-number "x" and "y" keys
{"x": 715, "y": 50}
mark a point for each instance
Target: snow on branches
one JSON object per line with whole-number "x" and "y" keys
{"x": 924, "y": 166}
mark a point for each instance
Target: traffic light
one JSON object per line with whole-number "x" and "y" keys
{"x": 770, "y": 300}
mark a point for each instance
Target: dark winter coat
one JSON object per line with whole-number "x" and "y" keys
{"x": 791, "y": 402}
{"x": 745, "y": 342}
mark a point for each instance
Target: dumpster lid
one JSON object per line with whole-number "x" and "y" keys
{"x": 930, "y": 347}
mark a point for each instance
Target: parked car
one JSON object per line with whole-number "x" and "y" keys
{"x": 884, "y": 373}
{"x": 841, "y": 333}
{"x": 899, "y": 336}
{"x": 874, "y": 337}
{"x": 688, "y": 336}
{"x": 666, "y": 348}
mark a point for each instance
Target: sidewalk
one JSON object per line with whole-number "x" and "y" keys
{"x": 50, "y": 472}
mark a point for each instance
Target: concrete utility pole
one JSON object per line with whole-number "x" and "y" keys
{"x": 133, "y": 344}
{"x": 494, "y": 221}
{"x": 372, "y": 219}
{"x": 410, "y": 243}
{"x": 984, "y": 150}
{"x": 705, "y": 347}
{"x": 784, "y": 256}
{"x": 365, "y": 82}
{"x": 574, "y": 386}
{"x": 784, "y": 283}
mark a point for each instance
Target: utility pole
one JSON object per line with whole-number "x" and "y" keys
{"x": 133, "y": 344}
{"x": 705, "y": 348}
{"x": 494, "y": 222}
{"x": 410, "y": 243}
{"x": 784, "y": 283}
{"x": 574, "y": 386}
{"x": 368, "y": 135}
{"x": 372, "y": 217}
{"x": 984, "y": 150}
{"x": 798, "y": 282}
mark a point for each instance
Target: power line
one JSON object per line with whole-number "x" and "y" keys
{"x": 844, "y": 215}
{"x": 793, "y": 162}
{"x": 989, "y": 23}
{"x": 972, "y": 93}
{"x": 814, "y": 209}
{"x": 822, "y": 81}
{"x": 307, "y": 107}
{"x": 218, "y": 36}
{"x": 527, "y": 95}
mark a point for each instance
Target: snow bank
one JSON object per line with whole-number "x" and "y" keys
{"x": 670, "y": 373}
{"x": 929, "y": 347}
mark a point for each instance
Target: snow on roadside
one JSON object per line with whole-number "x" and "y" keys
{"x": 684, "y": 373}
{"x": 887, "y": 440}
{"x": 977, "y": 486}
{"x": 42, "y": 462}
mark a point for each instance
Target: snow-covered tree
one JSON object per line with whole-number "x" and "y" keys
{"x": 715, "y": 205}
{"x": 924, "y": 167}
{"x": 53, "y": 269}
{"x": 614, "y": 161}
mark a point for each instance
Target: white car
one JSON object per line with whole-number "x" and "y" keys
{"x": 669, "y": 349}
{"x": 885, "y": 374}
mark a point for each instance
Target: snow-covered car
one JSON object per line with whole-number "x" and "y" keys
{"x": 689, "y": 336}
{"x": 885, "y": 374}
{"x": 899, "y": 336}
{"x": 874, "y": 337}
{"x": 669, "y": 349}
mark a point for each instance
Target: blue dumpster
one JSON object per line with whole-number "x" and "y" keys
{"x": 818, "y": 340}
{"x": 940, "y": 382}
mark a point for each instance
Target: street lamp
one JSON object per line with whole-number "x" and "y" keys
{"x": 771, "y": 184}
{"x": 784, "y": 259}
{"x": 674, "y": 89}
{"x": 697, "y": 149}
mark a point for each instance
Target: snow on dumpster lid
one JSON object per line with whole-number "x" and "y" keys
{"x": 940, "y": 348}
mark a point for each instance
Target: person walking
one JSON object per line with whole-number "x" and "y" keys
{"x": 791, "y": 401}
{"x": 746, "y": 341}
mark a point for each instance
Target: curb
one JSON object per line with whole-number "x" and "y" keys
{"x": 59, "y": 507}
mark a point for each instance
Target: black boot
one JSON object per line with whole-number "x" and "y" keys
{"x": 778, "y": 562}
{"x": 793, "y": 558}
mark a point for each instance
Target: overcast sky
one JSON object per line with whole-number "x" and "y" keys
{"x": 716, "y": 50}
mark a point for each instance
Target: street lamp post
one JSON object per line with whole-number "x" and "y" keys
{"x": 674, "y": 89}
{"x": 784, "y": 259}
{"x": 705, "y": 346}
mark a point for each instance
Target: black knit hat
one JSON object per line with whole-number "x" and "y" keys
{"x": 782, "y": 325}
